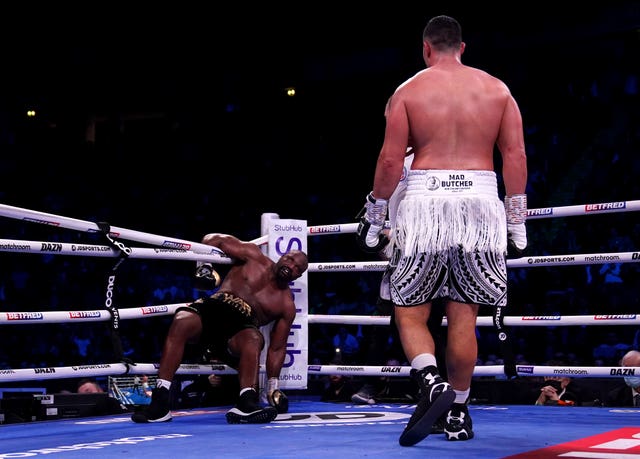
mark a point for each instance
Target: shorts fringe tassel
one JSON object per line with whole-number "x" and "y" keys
{"x": 436, "y": 223}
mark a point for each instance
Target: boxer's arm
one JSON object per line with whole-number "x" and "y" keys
{"x": 275, "y": 359}
{"x": 277, "y": 350}
{"x": 512, "y": 149}
{"x": 232, "y": 246}
{"x": 514, "y": 171}
{"x": 207, "y": 278}
{"x": 397, "y": 136}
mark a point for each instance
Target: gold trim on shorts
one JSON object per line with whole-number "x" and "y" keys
{"x": 236, "y": 303}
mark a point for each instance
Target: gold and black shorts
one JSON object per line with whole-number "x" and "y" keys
{"x": 223, "y": 315}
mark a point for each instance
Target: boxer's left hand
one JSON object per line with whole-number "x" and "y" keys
{"x": 276, "y": 397}
{"x": 516, "y": 210}
{"x": 279, "y": 401}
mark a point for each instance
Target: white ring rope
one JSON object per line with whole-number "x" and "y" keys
{"x": 91, "y": 250}
{"x": 112, "y": 369}
{"x": 114, "y": 231}
{"x": 524, "y": 262}
{"x": 544, "y": 212}
{"x": 63, "y": 248}
{"x": 483, "y": 321}
{"x": 105, "y": 369}
{"x": 98, "y": 315}
{"x": 485, "y": 370}
{"x": 181, "y": 249}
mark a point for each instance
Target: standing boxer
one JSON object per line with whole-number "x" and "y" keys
{"x": 452, "y": 230}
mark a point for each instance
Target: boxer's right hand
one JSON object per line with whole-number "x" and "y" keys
{"x": 207, "y": 278}
{"x": 369, "y": 235}
{"x": 516, "y": 239}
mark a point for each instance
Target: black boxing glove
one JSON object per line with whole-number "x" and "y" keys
{"x": 276, "y": 397}
{"x": 206, "y": 277}
{"x": 516, "y": 209}
{"x": 373, "y": 215}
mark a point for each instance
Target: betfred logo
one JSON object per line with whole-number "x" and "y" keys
{"x": 615, "y": 317}
{"x": 176, "y": 245}
{"x": 542, "y": 211}
{"x": 605, "y": 206}
{"x": 83, "y": 314}
{"x": 324, "y": 229}
{"x": 541, "y": 317}
{"x": 24, "y": 315}
{"x": 154, "y": 309}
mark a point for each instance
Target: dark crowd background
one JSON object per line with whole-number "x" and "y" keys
{"x": 178, "y": 124}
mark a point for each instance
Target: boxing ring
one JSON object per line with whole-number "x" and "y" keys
{"x": 380, "y": 425}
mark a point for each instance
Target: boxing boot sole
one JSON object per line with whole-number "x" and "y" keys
{"x": 261, "y": 416}
{"x": 141, "y": 417}
{"x": 421, "y": 429}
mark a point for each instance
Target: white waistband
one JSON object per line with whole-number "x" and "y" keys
{"x": 432, "y": 182}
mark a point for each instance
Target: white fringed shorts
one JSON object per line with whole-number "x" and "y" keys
{"x": 450, "y": 239}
